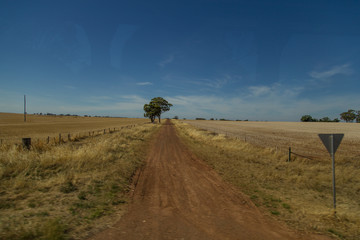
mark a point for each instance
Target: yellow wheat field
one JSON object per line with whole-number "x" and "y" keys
{"x": 13, "y": 127}
{"x": 302, "y": 137}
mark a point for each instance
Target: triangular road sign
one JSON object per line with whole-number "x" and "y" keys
{"x": 331, "y": 141}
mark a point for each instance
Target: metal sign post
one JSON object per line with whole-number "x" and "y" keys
{"x": 332, "y": 142}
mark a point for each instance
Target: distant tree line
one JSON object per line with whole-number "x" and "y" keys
{"x": 308, "y": 118}
{"x": 68, "y": 115}
{"x": 221, "y": 119}
{"x": 348, "y": 116}
{"x": 54, "y": 114}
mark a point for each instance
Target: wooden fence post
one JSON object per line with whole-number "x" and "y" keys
{"x": 48, "y": 140}
{"x": 289, "y": 160}
{"x": 104, "y": 131}
{"x": 26, "y": 143}
{"x": 69, "y": 137}
{"x": 59, "y": 138}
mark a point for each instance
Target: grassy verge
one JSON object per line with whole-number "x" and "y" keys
{"x": 70, "y": 190}
{"x": 298, "y": 193}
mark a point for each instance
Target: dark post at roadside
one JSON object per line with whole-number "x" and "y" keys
{"x": 24, "y": 108}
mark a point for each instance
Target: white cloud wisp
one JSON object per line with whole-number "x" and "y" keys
{"x": 144, "y": 83}
{"x": 166, "y": 61}
{"x": 341, "y": 69}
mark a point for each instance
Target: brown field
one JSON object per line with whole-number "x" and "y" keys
{"x": 301, "y": 137}
{"x": 298, "y": 192}
{"x": 13, "y": 127}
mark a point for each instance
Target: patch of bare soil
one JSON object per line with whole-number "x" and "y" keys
{"x": 178, "y": 196}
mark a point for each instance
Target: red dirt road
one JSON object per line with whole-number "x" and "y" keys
{"x": 178, "y": 196}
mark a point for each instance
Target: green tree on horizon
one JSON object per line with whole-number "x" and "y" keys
{"x": 349, "y": 116}
{"x": 156, "y": 107}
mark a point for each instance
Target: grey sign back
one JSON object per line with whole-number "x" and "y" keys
{"x": 331, "y": 144}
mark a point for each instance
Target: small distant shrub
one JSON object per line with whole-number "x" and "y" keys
{"x": 97, "y": 213}
{"x": 31, "y": 204}
{"x": 286, "y": 206}
{"x": 82, "y": 195}
{"x": 117, "y": 202}
{"x": 68, "y": 187}
{"x": 336, "y": 233}
{"x": 54, "y": 230}
{"x": 276, "y": 213}
{"x": 6, "y": 204}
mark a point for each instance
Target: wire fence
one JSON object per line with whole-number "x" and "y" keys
{"x": 60, "y": 138}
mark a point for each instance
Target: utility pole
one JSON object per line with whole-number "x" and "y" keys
{"x": 24, "y": 108}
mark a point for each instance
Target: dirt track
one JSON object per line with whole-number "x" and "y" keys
{"x": 177, "y": 196}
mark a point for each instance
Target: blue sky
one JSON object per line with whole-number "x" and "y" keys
{"x": 256, "y": 60}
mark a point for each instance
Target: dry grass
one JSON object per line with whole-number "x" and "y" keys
{"x": 299, "y": 192}
{"x": 13, "y": 128}
{"x": 69, "y": 190}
